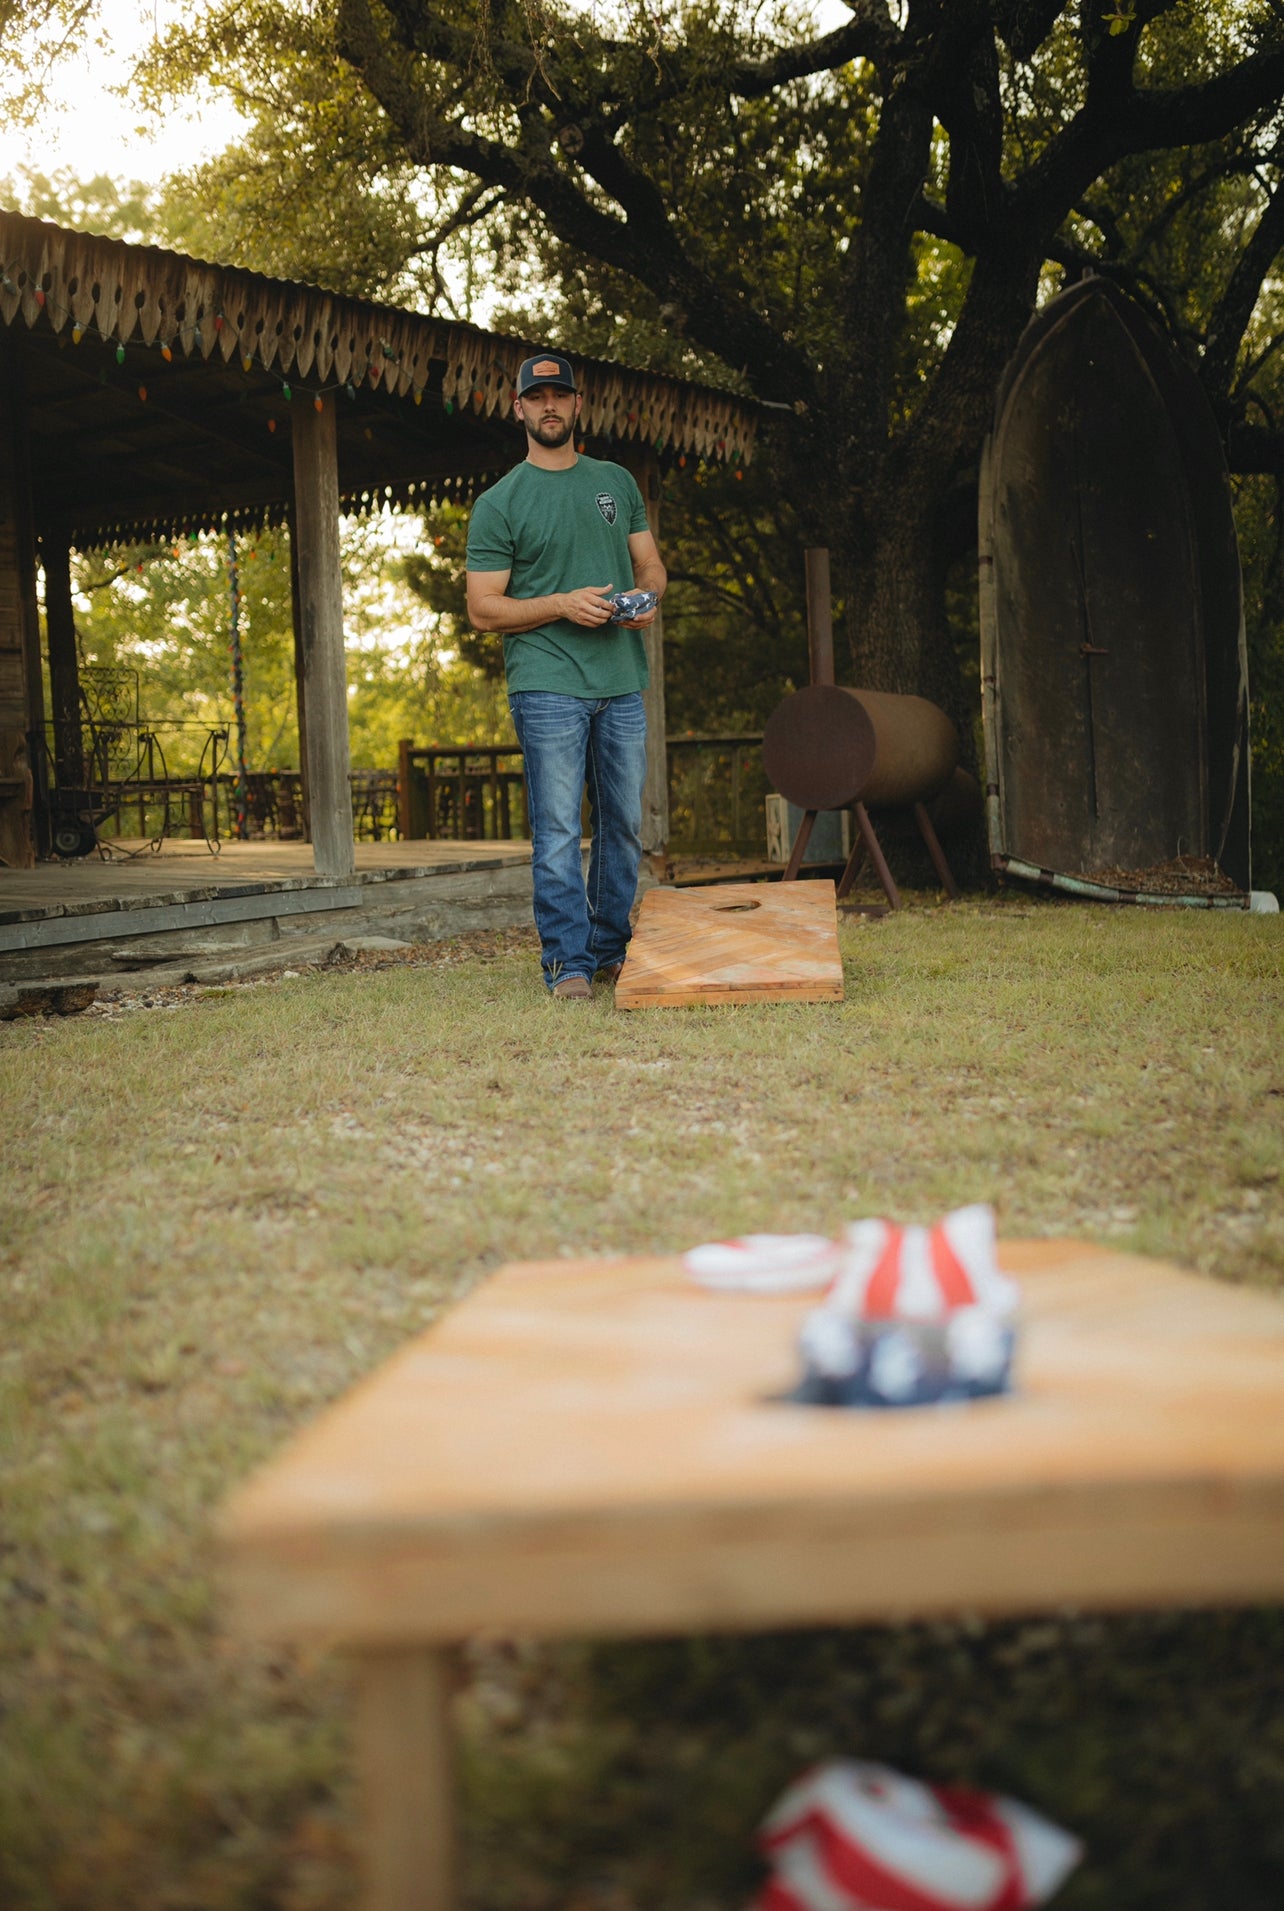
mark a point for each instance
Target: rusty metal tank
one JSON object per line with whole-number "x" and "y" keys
{"x": 827, "y": 746}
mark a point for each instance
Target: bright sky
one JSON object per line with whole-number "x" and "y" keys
{"x": 89, "y": 130}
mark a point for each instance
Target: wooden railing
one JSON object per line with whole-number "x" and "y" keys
{"x": 463, "y": 792}
{"x": 473, "y": 793}
{"x": 716, "y": 790}
{"x": 476, "y": 792}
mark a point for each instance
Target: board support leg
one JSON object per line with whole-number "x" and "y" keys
{"x": 799, "y": 849}
{"x": 876, "y": 856}
{"x": 935, "y": 851}
{"x": 406, "y": 1766}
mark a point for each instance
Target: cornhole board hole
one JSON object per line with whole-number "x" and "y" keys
{"x": 733, "y": 942}
{"x": 601, "y": 1447}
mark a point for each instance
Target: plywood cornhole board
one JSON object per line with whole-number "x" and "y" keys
{"x": 733, "y": 942}
{"x": 596, "y": 1447}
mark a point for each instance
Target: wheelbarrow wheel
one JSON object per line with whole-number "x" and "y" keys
{"x": 74, "y": 839}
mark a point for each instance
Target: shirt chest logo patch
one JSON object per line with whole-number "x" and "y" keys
{"x": 606, "y": 505}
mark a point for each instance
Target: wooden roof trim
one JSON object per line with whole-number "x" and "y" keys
{"x": 83, "y": 282}
{"x": 372, "y": 501}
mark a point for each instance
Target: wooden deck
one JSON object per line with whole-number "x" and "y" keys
{"x": 57, "y": 912}
{"x": 137, "y": 876}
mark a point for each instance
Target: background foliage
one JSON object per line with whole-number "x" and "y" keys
{"x": 770, "y": 190}
{"x": 165, "y": 612}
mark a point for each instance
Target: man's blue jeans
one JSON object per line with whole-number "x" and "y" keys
{"x": 568, "y": 743}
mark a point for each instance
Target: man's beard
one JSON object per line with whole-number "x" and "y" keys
{"x": 551, "y": 433}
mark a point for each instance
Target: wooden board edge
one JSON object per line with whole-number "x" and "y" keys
{"x": 1182, "y": 1541}
{"x": 728, "y": 998}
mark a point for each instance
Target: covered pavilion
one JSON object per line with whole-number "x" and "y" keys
{"x": 145, "y": 396}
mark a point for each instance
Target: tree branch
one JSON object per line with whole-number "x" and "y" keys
{"x": 1254, "y": 448}
{"x": 1234, "y": 309}
{"x": 1111, "y": 58}
{"x": 427, "y": 33}
{"x": 1023, "y": 25}
{"x": 871, "y": 35}
{"x": 1140, "y": 121}
{"x": 643, "y": 244}
{"x": 972, "y": 113}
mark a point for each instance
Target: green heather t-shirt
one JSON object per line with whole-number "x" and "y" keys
{"x": 559, "y": 531}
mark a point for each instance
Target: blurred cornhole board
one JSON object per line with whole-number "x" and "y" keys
{"x": 733, "y": 942}
{"x": 600, "y": 1447}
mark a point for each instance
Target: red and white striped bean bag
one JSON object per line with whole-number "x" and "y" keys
{"x": 893, "y": 1273}
{"x": 855, "y": 1836}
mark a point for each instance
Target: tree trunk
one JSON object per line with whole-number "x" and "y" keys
{"x": 900, "y": 639}
{"x": 898, "y": 634}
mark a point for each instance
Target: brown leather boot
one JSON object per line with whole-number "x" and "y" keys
{"x": 572, "y": 988}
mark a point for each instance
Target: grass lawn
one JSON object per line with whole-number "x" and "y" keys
{"x": 220, "y": 1209}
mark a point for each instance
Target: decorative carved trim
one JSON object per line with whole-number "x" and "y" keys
{"x": 52, "y": 276}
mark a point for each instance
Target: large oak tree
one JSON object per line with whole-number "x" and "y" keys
{"x": 984, "y": 123}
{"x": 852, "y": 225}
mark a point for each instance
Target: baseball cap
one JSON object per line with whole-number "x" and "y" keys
{"x": 546, "y": 368}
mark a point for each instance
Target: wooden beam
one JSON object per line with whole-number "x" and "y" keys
{"x": 300, "y": 695}
{"x": 320, "y": 596}
{"x": 21, "y": 694}
{"x": 64, "y": 664}
{"x": 645, "y": 466}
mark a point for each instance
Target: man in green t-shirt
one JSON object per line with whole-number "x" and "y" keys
{"x": 547, "y": 548}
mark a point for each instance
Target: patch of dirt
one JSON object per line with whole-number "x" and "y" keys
{"x": 479, "y": 945}
{"x": 1181, "y": 876}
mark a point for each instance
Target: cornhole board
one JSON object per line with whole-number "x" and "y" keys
{"x": 733, "y": 942}
{"x": 599, "y": 1447}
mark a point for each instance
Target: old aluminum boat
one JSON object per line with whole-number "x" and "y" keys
{"x": 1114, "y": 671}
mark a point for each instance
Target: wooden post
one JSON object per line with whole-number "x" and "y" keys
{"x": 64, "y": 665}
{"x": 645, "y": 466}
{"x": 21, "y": 692}
{"x": 405, "y": 810}
{"x": 300, "y": 696}
{"x": 406, "y": 1764}
{"x": 320, "y": 598}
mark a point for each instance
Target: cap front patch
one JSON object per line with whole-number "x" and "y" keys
{"x": 546, "y": 368}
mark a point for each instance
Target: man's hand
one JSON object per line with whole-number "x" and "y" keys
{"x": 590, "y": 606}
